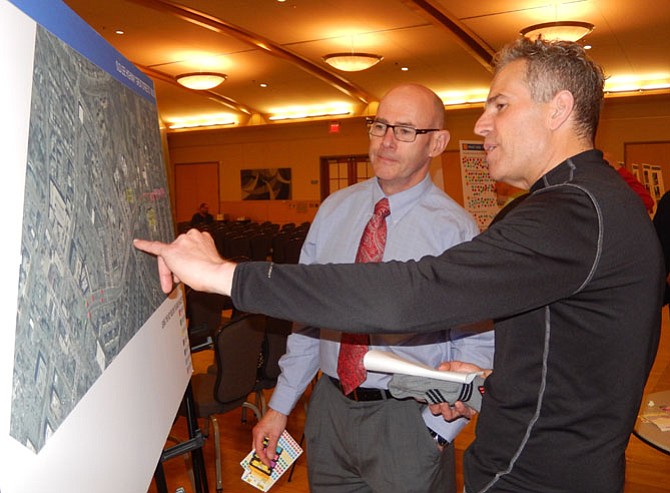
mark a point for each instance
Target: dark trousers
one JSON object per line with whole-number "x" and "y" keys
{"x": 379, "y": 446}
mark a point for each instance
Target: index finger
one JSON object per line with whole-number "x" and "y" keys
{"x": 148, "y": 246}
{"x": 164, "y": 273}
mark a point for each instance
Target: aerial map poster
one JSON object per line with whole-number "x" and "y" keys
{"x": 88, "y": 335}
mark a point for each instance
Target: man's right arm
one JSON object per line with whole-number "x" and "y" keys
{"x": 298, "y": 366}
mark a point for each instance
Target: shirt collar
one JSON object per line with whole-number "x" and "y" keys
{"x": 400, "y": 203}
{"x": 564, "y": 172}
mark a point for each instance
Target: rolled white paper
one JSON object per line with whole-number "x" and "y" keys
{"x": 386, "y": 362}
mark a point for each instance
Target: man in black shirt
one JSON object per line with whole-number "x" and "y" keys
{"x": 202, "y": 216}
{"x": 573, "y": 276}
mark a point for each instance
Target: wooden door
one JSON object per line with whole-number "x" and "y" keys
{"x": 196, "y": 183}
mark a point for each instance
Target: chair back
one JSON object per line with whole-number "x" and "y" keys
{"x": 237, "y": 346}
{"x": 274, "y": 347}
{"x": 261, "y": 246}
{"x": 292, "y": 249}
{"x": 204, "y": 312}
{"x": 237, "y": 247}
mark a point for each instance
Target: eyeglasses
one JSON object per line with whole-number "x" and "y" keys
{"x": 401, "y": 132}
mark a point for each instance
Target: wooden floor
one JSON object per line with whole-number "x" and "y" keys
{"x": 648, "y": 470}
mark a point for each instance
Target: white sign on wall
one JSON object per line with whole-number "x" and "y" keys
{"x": 479, "y": 195}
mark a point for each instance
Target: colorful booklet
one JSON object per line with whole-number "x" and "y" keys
{"x": 259, "y": 475}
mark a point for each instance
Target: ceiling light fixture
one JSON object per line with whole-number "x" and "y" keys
{"x": 307, "y": 114}
{"x": 203, "y": 122}
{"x": 559, "y": 30}
{"x": 632, "y": 83}
{"x": 352, "y": 62}
{"x": 201, "y": 81}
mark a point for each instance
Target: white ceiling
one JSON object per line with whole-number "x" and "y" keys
{"x": 281, "y": 44}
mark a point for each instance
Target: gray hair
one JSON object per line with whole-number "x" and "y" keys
{"x": 553, "y": 66}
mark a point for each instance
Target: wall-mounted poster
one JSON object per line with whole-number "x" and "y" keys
{"x": 91, "y": 350}
{"x": 479, "y": 191}
{"x": 266, "y": 184}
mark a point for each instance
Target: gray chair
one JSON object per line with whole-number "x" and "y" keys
{"x": 273, "y": 348}
{"x": 205, "y": 315}
{"x": 237, "y": 345}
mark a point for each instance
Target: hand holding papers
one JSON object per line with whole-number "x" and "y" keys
{"x": 259, "y": 475}
{"x": 424, "y": 383}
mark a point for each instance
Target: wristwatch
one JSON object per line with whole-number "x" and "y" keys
{"x": 441, "y": 441}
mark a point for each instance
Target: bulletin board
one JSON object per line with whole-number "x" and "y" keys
{"x": 479, "y": 197}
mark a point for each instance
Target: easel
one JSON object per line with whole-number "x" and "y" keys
{"x": 193, "y": 445}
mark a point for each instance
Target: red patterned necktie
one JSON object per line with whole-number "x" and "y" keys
{"x": 353, "y": 347}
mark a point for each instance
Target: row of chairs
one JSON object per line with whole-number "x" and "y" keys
{"x": 258, "y": 241}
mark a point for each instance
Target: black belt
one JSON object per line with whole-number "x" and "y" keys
{"x": 361, "y": 394}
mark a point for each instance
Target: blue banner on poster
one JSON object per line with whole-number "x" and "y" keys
{"x": 60, "y": 20}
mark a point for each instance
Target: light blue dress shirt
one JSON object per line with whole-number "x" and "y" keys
{"x": 423, "y": 221}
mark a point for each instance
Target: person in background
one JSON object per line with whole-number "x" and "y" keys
{"x": 633, "y": 183}
{"x": 573, "y": 277}
{"x": 202, "y": 216}
{"x": 401, "y": 435}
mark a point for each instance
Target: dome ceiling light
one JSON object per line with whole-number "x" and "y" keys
{"x": 201, "y": 81}
{"x": 558, "y": 30}
{"x": 352, "y": 62}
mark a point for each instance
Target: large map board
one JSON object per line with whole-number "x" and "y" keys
{"x": 93, "y": 356}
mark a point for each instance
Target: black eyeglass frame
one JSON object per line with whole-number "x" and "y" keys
{"x": 417, "y": 131}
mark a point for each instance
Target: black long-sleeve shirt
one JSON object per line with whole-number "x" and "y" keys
{"x": 662, "y": 225}
{"x": 573, "y": 277}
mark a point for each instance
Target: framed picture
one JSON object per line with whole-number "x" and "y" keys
{"x": 266, "y": 184}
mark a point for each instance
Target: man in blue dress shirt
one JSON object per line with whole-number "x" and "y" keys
{"x": 378, "y": 443}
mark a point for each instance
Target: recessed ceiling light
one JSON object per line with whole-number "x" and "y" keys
{"x": 263, "y": 84}
{"x": 119, "y": 31}
{"x": 404, "y": 69}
